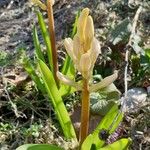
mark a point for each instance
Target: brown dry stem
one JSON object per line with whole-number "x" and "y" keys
{"x": 52, "y": 37}
{"x": 84, "y": 112}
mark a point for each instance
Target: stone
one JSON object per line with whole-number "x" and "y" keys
{"x": 136, "y": 98}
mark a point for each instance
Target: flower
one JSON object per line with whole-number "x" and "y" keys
{"x": 39, "y": 3}
{"x": 84, "y": 48}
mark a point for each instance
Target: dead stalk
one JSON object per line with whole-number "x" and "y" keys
{"x": 135, "y": 20}
{"x": 84, "y": 112}
{"x": 52, "y": 37}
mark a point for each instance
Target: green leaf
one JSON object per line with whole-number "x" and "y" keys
{"x": 136, "y": 40}
{"x": 38, "y": 147}
{"x": 103, "y": 100}
{"x": 105, "y": 123}
{"x": 121, "y": 32}
{"x": 38, "y": 51}
{"x": 32, "y": 73}
{"x": 74, "y": 30}
{"x": 121, "y": 144}
{"x": 57, "y": 101}
{"x": 147, "y": 52}
{"x": 101, "y": 107}
{"x": 46, "y": 38}
{"x": 87, "y": 144}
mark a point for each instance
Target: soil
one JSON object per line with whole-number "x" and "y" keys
{"x": 16, "y": 21}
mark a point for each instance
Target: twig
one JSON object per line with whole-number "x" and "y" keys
{"x": 15, "y": 110}
{"x": 12, "y": 104}
{"x": 135, "y": 20}
{"x": 127, "y": 48}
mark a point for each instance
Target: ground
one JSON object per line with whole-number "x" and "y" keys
{"x": 24, "y": 112}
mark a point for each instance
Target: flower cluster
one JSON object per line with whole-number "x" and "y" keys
{"x": 84, "y": 49}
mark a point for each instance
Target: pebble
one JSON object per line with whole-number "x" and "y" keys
{"x": 136, "y": 98}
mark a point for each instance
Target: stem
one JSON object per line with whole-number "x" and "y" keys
{"x": 135, "y": 20}
{"x": 52, "y": 38}
{"x": 84, "y": 112}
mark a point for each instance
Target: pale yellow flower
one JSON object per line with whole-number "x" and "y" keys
{"x": 39, "y": 3}
{"x": 84, "y": 48}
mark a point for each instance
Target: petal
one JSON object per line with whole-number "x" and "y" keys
{"x": 89, "y": 33}
{"x": 95, "y": 50}
{"x": 85, "y": 65}
{"x": 82, "y": 23}
{"x": 39, "y": 3}
{"x": 52, "y": 2}
{"x": 104, "y": 83}
{"x": 77, "y": 48}
{"x": 68, "y": 43}
{"x": 68, "y": 81}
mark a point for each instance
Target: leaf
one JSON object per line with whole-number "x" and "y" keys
{"x": 38, "y": 147}
{"x": 57, "y": 101}
{"x": 121, "y": 32}
{"x": 87, "y": 144}
{"x": 147, "y": 52}
{"x": 38, "y": 51}
{"x": 101, "y": 107}
{"x": 74, "y": 30}
{"x": 46, "y": 38}
{"x": 136, "y": 40}
{"x": 105, "y": 123}
{"x": 121, "y": 144}
{"x": 103, "y": 100}
{"x": 32, "y": 73}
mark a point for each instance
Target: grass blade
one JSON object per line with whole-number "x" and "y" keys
{"x": 38, "y": 51}
{"x": 46, "y": 38}
{"x": 38, "y": 147}
{"x": 74, "y": 30}
{"x": 31, "y": 71}
{"x": 57, "y": 101}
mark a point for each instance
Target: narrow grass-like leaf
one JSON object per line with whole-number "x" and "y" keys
{"x": 31, "y": 71}
{"x": 38, "y": 147}
{"x": 37, "y": 46}
{"x": 121, "y": 144}
{"x": 57, "y": 101}
{"x": 46, "y": 38}
{"x": 105, "y": 123}
{"x": 74, "y": 30}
